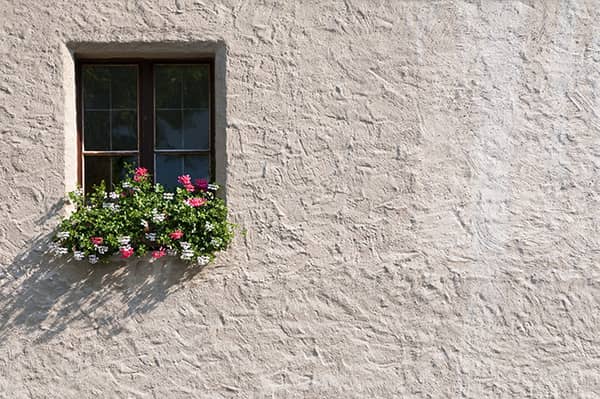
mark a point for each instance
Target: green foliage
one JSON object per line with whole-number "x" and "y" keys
{"x": 138, "y": 217}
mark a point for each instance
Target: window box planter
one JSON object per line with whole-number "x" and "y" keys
{"x": 139, "y": 218}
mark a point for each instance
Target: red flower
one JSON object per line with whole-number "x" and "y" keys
{"x": 159, "y": 254}
{"x": 141, "y": 171}
{"x": 126, "y": 252}
{"x": 176, "y": 235}
{"x": 189, "y": 188}
{"x": 201, "y": 184}
{"x": 140, "y": 174}
{"x": 97, "y": 240}
{"x": 194, "y": 202}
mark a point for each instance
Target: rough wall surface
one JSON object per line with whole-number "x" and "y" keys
{"x": 419, "y": 183}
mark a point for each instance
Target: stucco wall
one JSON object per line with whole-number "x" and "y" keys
{"x": 418, "y": 180}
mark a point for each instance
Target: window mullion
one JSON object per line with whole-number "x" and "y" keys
{"x": 146, "y": 106}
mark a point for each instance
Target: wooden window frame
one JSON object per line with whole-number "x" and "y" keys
{"x": 146, "y": 113}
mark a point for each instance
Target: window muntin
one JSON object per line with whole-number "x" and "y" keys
{"x": 157, "y": 114}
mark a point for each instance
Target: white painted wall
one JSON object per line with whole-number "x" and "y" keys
{"x": 418, "y": 181}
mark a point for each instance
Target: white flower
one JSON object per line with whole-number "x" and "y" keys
{"x": 185, "y": 245}
{"x": 113, "y": 195}
{"x": 151, "y": 236}
{"x": 61, "y": 251}
{"x": 209, "y": 226}
{"x": 102, "y": 249}
{"x": 124, "y": 240}
{"x": 63, "y": 234}
{"x": 144, "y": 223}
{"x": 168, "y": 196}
{"x": 105, "y": 194}
{"x": 125, "y": 184}
{"x": 79, "y": 192}
{"x": 213, "y": 187}
{"x": 78, "y": 255}
{"x": 171, "y": 252}
{"x": 187, "y": 254}
{"x": 110, "y": 205}
{"x": 216, "y": 242}
{"x": 203, "y": 260}
{"x": 158, "y": 217}
{"x": 93, "y": 259}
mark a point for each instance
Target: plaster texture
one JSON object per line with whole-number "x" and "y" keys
{"x": 418, "y": 180}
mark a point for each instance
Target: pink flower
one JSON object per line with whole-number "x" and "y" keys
{"x": 194, "y": 202}
{"x": 176, "y": 235}
{"x": 97, "y": 240}
{"x": 159, "y": 254}
{"x": 184, "y": 179}
{"x": 140, "y": 174}
{"x": 201, "y": 184}
{"x": 186, "y": 182}
{"x": 126, "y": 252}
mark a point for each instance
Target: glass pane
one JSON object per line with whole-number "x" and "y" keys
{"x": 109, "y": 86}
{"x": 167, "y": 86}
{"x": 118, "y": 167}
{"x": 110, "y": 107}
{"x": 124, "y": 87}
{"x": 169, "y": 167}
{"x": 182, "y": 99}
{"x": 96, "y": 129}
{"x": 109, "y": 169}
{"x": 195, "y": 86}
{"x": 96, "y": 170}
{"x": 195, "y": 130}
{"x": 96, "y": 87}
{"x": 124, "y": 130}
{"x": 168, "y": 130}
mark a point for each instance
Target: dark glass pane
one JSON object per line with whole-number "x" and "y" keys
{"x": 124, "y": 87}
{"x": 169, "y": 130}
{"x": 195, "y": 86}
{"x": 96, "y": 130}
{"x": 195, "y": 130}
{"x": 109, "y": 86}
{"x": 119, "y": 169}
{"x": 197, "y": 166}
{"x": 169, "y": 167}
{"x": 96, "y": 170}
{"x": 110, "y": 107}
{"x": 167, "y": 86}
{"x": 109, "y": 169}
{"x": 124, "y": 130}
{"x": 96, "y": 87}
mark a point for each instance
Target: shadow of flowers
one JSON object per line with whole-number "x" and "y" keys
{"x": 45, "y": 296}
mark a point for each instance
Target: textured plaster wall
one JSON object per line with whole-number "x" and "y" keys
{"x": 419, "y": 182}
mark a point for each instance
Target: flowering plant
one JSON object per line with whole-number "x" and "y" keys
{"x": 138, "y": 217}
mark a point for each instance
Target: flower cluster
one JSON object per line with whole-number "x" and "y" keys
{"x": 139, "y": 217}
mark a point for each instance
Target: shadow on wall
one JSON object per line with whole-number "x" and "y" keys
{"x": 45, "y": 296}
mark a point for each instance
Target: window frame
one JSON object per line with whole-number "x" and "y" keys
{"x": 146, "y": 115}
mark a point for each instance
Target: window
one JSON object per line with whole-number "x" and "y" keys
{"x": 156, "y": 114}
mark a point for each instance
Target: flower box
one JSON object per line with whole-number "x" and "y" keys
{"x": 138, "y": 217}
